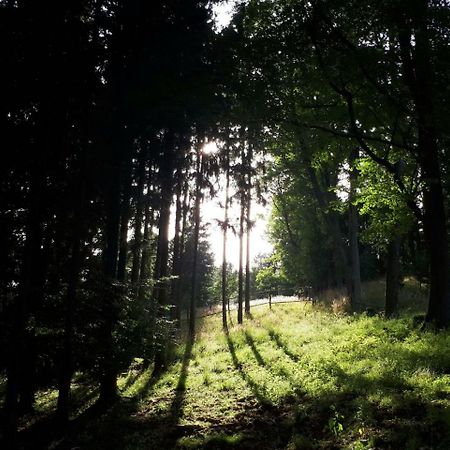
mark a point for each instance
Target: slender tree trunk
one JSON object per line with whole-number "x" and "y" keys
{"x": 248, "y": 229}
{"x": 124, "y": 223}
{"x": 340, "y": 259}
{"x": 145, "y": 266}
{"x": 241, "y": 258}
{"x": 66, "y": 371}
{"x": 198, "y": 193}
{"x": 137, "y": 245}
{"x": 353, "y": 226}
{"x": 185, "y": 210}
{"x": 108, "y": 376}
{"x": 176, "y": 260}
{"x": 224, "y": 246}
{"x": 393, "y": 277}
{"x": 162, "y": 257}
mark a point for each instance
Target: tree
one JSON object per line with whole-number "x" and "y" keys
{"x": 330, "y": 75}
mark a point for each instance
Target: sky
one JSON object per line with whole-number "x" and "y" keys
{"x": 211, "y": 209}
{"x": 258, "y": 239}
{"x": 212, "y": 212}
{"x": 222, "y": 13}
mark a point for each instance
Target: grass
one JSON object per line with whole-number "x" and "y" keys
{"x": 294, "y": 377}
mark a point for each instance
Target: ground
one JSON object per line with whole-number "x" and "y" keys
{"x": 294, "y": 377}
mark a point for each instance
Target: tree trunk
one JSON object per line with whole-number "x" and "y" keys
{"x": 108, "y": 376}
{"x": 145, "y": 266}
{"x": 124, "y": 223}
{"x": 353, "y": 227}
{"x": 241, "y": 257}
{"x": 417, "y": 70}
{"x": 162, "y": 256}
{"x": 198, "y": 193}
{"x": 66, "y": 371}
{"x": 137, "y": 245}
{"x": 185, "y": 210}
{"x": 340, "y": 259}
{"x": 176, "y": 260}
{"x": 393, "y": 277}
{"x": 248, "y": 229}
{"x": 224, "y": 246}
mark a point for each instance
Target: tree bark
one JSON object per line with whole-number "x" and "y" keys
{"x": 353, "y": 226}
{"x": 19, "y": 393}
{"x": 417, "y": 70}
{"x": 185, "y": 210}
{"x": 66, "y": 371}
{"x": 393, "y": 277}
{"x": 145, "y": 266}
{"x": 162, "y": 257}
{"x": 340, "y": 259}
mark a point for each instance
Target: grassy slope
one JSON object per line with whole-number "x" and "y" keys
{"x": 292, "y": 378}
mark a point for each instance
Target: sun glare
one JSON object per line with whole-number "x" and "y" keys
{"x": 210, "y": 148}
{"x": 212, "y": 213}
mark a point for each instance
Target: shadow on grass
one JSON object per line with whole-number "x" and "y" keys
{"x": 103, "y": 426}
{"x": 131, "y": 379}
{"x": 282, "y": 346}
{"x": 256, "y": 353}
{"x": 258, "y": 392}
{"x": 176, "y": 408}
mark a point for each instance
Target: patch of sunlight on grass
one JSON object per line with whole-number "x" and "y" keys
{"x": 213, "y": 440}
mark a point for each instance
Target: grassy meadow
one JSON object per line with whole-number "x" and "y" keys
{"x": 294, "y": 377}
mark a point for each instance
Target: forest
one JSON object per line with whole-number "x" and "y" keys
{"x": 132, "y": 316}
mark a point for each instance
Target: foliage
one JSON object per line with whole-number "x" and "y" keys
{"x": 380, "y": 200}
{"x": 215, "y": 292}
{"x": 268, "y": 274}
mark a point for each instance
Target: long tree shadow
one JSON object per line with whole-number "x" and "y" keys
{"x": 257, "y": 391}
{"x": 282, "y": 346}
{"x": 118, "y": 426}
{"x": 282, "y": 371}
{"x": 180, "y": 390}
{"x": 251, "y": 343}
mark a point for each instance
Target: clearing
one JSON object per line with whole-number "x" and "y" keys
{"x": 294, "y": 377}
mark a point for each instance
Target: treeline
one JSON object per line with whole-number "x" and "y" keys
{"x": 355, "y": 112}
{"x": 107, "y": 110}
{"x": 104, "y": 113}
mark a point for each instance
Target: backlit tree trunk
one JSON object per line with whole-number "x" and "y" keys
{"x": 224, "y": 246}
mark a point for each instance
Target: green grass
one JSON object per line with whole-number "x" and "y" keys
{"x": 293, "y": 378}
